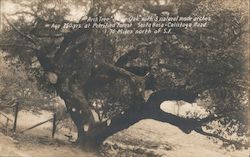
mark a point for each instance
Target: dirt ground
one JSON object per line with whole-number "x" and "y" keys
{"x": 38, "y": 141}
{"x": 147, "y": 138}
{"x": 152, "y": 138}
{"x": 39, "y": 148}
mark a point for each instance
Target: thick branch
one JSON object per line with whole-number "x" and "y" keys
{"x": 137, "y": 80}
{"x": 69, "y": 38}
{"x": 121, "y": 71}
{"x": 158, "y": 97}
{"x": 70, "y": 91}
{"x": 100, "y": 131}
{"x": 120, "y": 122}
{"x": 186, "y": 125}
{"x": 131, "y": 54}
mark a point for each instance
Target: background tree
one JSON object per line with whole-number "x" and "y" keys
{"x": 91, "y": 69}
{"x": 16, "y": 85}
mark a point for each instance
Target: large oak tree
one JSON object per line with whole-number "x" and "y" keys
{"x": 111, "y": 74}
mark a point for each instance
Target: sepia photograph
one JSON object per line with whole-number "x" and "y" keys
{"x": 134, "y": 78}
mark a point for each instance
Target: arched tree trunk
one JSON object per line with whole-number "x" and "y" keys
{"x": 76, "y": 104}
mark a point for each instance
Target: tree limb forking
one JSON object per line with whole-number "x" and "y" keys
{"x": 185, "y": 124}
{"x": 100, "y": 131}
{"x": 71, "y": 37}
{"x": 73, "y": 92}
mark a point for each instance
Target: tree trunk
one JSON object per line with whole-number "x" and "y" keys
{"x": 118, "y": 123}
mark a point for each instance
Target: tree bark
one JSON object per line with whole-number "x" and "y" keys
{"x": 102, "y": 131}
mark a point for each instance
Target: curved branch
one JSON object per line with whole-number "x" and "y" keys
{"x": 17, "y": 45}
{"x": 139, "y": 81}
{"x": 161, "y": 95}
{"x": 29, "y": 38}
{"x": 121, "y": 71}
{"x": 49, "y": 36}
{"x": 186, "y": 125}
{"x": 236, "y": 143}
{"x": 131, "y": 54}
{"x": 100, "y": 131}
{"x": 69, "y": 38}
{"x": 120, "y": 122}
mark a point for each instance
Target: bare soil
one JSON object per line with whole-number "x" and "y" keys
{"x": 147, "y": 138}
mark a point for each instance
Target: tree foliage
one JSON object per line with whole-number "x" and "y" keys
{"x": 110, "y": 73}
